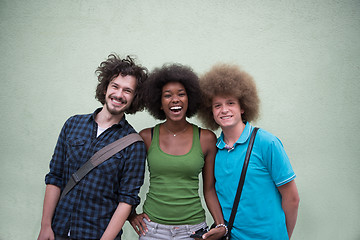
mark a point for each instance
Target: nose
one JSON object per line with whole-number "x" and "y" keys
{"x": 224, "y": 109}
{"x": 119, "y": 93}
{"x": 175, "y": 99}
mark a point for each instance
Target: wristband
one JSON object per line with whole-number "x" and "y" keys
{"x": 223, "y": 225}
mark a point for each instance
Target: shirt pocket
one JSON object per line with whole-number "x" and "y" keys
{"x": 75, "y": 150}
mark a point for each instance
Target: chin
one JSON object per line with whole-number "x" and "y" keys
{"x": 115, "y": 111}
{"x": 225, "y": 125}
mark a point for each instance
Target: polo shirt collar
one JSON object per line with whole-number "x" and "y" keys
{"x": 242, "y": 139}
{"x": 120, "y": 124}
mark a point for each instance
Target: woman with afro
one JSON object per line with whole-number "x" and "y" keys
{"x": 177, "y": 152}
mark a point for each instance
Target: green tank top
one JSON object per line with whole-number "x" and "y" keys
{"x": 173, "y": 196}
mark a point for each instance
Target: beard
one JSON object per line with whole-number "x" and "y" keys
{"x": 114, "y": 110}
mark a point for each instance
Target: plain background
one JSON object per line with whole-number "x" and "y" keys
{"x": 304, "y": 56}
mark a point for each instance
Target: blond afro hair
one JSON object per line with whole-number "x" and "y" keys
{"x": 228, "y": 80}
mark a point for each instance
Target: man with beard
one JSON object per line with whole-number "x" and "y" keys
{"x": 98, "y": 205}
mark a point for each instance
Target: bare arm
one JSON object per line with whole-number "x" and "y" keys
{"x": 117, "y": 221}
{"x": 290, "y": 204}
{"x": 208, "y": 144}
{"x": 146, "y": 136}
{"x": 52, "y": 195}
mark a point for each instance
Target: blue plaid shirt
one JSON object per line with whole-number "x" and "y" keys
{"x": 87, "y": 209}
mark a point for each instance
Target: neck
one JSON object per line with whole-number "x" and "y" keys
{"x": 232, "y": 134}
{"x": 175, "y": 128}
{"x": 105, "y": 119}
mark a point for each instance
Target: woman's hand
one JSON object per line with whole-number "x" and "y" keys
{"x": 137, "y": 222}
{"x": 215, "y": 233}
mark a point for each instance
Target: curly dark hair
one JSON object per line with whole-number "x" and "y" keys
{"x": 228, "y": 80}
{"x": 171, "y": 73}
{"x": 111, "y": 68}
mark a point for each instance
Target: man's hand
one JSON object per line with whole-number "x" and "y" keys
{"x": 46, "y": 233}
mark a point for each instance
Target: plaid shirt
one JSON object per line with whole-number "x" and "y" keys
{"x": 87, "y": 209}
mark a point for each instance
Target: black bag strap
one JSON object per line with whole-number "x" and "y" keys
{"x": 98, "y": 158}
{"x": 241, "y": 182}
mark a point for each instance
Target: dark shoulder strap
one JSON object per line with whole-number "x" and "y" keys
{"x": 98, "y": 158}
{"x": 241, "y": 182}
{"x": 152, "y": 133}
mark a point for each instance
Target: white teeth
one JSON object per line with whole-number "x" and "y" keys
{"x": 227, "y": 117}
{"x": 117, "y": 101}
{"x": 176, "y": 108}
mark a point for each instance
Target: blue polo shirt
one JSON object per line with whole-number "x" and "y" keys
{"x": 260, "y": 215}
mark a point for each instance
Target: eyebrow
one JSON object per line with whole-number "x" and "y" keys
{"x": 129, "y": 88}
{"x": 180, "y": 90}
{"x": 114, "y": 83}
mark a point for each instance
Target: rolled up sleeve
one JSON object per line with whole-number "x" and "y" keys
{"x": 132, "y": 176}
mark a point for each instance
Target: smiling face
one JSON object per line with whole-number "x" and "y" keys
{"x": 227, "y": 111}
{"x": 119, "y": 94}
{"x": 174, "y": 101}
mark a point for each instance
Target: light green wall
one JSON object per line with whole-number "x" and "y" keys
{"x": 304, "y": 56}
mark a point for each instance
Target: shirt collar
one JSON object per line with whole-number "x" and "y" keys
{"x": 242, "y": 139}
{"x": 120, "y": 124}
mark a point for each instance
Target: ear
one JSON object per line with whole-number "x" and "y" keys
{"x": 242, "y": 111}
